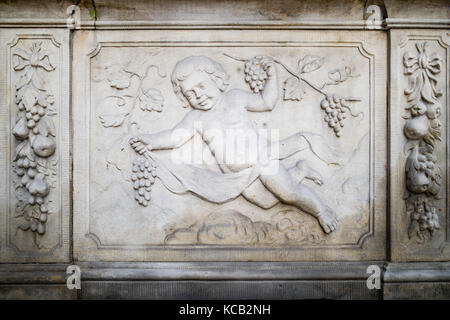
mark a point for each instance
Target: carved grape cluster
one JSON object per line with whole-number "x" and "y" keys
{"x": 424, "y": 214}
{"x": 33, "y": 115}
{"x": 426, "y": 159}
{"x": 335, "y": 109}
{"x": 143, "y": 177}
{"x": 36, "y": 185}
{"x": 256, "y": 74}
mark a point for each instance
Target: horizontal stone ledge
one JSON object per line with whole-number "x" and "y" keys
{"x": 33, "y": 273}
{"x": 229, "y": 290}
{"x": 225, "y": 270}
{"x": 118, "y": 271}
{"x": 394, "y": 23}
{"x": 204, "y": 24}
{"x": 417, "y": 272}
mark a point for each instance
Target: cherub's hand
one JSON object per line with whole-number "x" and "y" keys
{"x": 268, "y": 64}
{"x": 139, "y": 145}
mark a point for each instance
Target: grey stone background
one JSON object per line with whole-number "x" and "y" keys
{"x": 410, "y": 270}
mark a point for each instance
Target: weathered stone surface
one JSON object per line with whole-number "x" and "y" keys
{"x": 36, "y": 292}
{"x": 168, "y": 107}
{"x": 35, "y": 199}
{"x": 229, "y": 290}
{"x": 420, "y": 280}
{"x": 419, "y": 145}
{"x": 332, "y": 122}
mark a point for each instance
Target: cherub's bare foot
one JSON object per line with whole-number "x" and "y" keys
{"x": 328, "y": 220}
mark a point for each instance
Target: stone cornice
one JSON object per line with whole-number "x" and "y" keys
{"x": 389, "y": 23}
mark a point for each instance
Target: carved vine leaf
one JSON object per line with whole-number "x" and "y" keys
{"x": 423, "y": 177}
{"x": 335, "y": 107}
{"x": 150, "y": 99}
{"x": 293, "y": 89}
{"x": 309, "y": 63}
{"x": 118, "y": 158}
{"x": 22, "y": 199}
{"x": 117, "y": 77}
{"x": 112, "y": 120}
{"x": 46, "y": 127}
{"x": 49, "y": 170}
{"x": 339, "y": 75}
{"x": 24, "y": 150}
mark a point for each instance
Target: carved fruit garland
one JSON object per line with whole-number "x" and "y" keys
{"x": 336, "y": 108}
{"x": 34, "y": 131}
{"x": 423, "y": 130}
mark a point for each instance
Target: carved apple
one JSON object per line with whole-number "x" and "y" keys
{"x": 39, "y": 187}
{"x": 433, "y": 110}
{"x": 43, "y": 146}
{"x": 416, "y": 128}
{"x": 20, "y": 130}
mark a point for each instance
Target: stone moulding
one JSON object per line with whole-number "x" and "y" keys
{"x": 362, "y": 49}
{"x": 386, "y": 24}
{"x": 106, "y": 280}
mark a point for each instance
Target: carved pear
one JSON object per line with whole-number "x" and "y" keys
{"x": 43, "y": 146}
{"x": 20, "y": 130}
{"x": 39, "y": 186}
{"x": 418, "y": 182}
{"x": 416, "y": 128}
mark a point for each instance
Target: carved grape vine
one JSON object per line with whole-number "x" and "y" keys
{"x": 34, "y": 130}
{"x": 143, "y": 171}
{"x": 336, "y": 107}
{"x": 423, "y": 130}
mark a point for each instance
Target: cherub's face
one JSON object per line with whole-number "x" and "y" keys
{"x": 201, "y": 92}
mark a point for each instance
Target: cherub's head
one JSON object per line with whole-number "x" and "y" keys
{"x": 199, "y": 81}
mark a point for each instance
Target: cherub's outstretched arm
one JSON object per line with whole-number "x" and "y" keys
{"x": 268, "y": 97}
{"x": 167, "y": 139}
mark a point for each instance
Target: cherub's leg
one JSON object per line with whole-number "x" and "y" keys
{"x": 258, "y": 194}
{"x": 283, "y": 186}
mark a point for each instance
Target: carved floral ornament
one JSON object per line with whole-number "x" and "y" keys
{"x": 423, "y": 130}
{"x": 34, "y": 160}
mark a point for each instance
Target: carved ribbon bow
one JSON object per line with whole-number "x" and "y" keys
{"x": 422, "y": 70}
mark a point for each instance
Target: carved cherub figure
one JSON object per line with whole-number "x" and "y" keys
{"x": 203, "y": 83}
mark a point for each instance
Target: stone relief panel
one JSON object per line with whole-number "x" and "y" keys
{"x": 36, "y": 212}
{"x": 229, "y": 146}
{"x": 420, "y": 100}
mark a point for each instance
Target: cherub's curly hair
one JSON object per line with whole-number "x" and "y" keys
{"x": 185, "y": 67}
